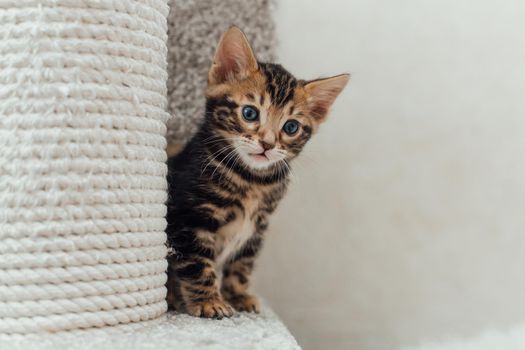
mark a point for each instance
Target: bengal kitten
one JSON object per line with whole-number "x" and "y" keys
{"x": 233, "y": 173}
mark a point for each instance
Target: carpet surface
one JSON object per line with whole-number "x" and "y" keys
{"x": 492, "y": 339}
{"x": 194, "y": 28}
{"x": 172, "y": 331}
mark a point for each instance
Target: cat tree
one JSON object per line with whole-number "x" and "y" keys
{"x": 82, "y": 182}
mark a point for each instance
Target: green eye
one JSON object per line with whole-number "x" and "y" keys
{"x": 250, "y": 113}
{"x": 291, "y": 127}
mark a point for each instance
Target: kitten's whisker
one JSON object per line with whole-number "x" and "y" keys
{"x": 279, "y": 172}
{"x": 221, "y": 150}
{"x": 214, "y": 156}
{"x": 220, "y": 163}
{"x": 234, "y": 153}
{"x": 286, "y": 168}
{"x": 215, "y": 137}
{"x": 211, "y": 142}
{"x": 290, "y": 170}
{"x": 212, "y": 137}
{"x": 216, "y": 153}
{"x": 235, "y": 161}
{"x": 282, "y": 172}
{"x": 226, "y": 160}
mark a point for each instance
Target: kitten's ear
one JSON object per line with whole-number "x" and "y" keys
{"x": 321, "y": 94}
{"x": 234, "y": 58}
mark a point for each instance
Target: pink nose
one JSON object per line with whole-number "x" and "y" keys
{"x": 265, "y": 145}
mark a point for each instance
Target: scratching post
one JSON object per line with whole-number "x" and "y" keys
{"x": 82, "y": 182}
{"x": 82, "y": 163}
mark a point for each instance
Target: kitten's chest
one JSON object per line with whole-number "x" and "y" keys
{"x": 232, "y": 236}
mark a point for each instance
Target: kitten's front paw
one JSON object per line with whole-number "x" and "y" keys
{"x": 211, "y": 308}
{"x": 245, "y": 302}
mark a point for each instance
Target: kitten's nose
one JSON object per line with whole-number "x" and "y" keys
{"x": 265, "y": 145}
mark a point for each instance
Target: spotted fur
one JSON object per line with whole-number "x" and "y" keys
{"x": 220, "y": 196}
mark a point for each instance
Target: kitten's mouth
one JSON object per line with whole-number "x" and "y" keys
{"x": 259, "y": 156}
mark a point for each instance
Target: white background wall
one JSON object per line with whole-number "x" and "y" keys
{"x": 405, "y": 221}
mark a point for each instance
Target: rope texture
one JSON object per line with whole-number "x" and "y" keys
{"x": 82, "y": 163}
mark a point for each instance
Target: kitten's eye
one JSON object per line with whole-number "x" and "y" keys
{"x": 291, "y": 127}
{"x": 250, "y": 113}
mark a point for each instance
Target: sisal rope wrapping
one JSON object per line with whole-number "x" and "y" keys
{"x": 82, "y": 163}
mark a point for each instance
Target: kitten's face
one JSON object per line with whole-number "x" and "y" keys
{"x": 265, "y": 115}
